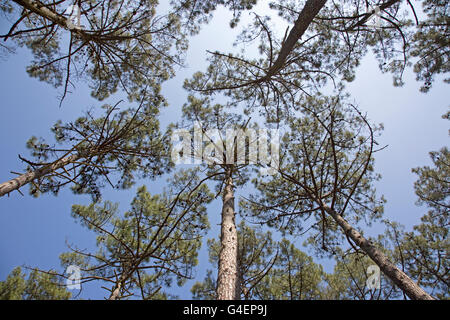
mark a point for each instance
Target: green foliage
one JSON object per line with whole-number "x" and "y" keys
{"x": 126, "y": 144}
{"x": 426, "y": 250}
{"x": 348, "y": 281}
{"x": 433, "y": 186}
{"x": 268, "y": 269}
{"x": 294, "y": 276}
{"x": 326, "y": 160}
{"x": 431, "y": 42}
{"x": 150, "y": 247}
{"x": 423, "y": 253}
{"x": 215, "y": 118}
{"x": 205, "y": 290}
{"x": 122, "y": 44}
{"x": 330, "y": 50}
{"x": 194, "y": 12}
{"x": 327, "y": 145}
{"x": 38, "y": 286}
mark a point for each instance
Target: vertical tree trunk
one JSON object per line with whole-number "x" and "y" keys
{"x": 401, "y": 279}
{"x": 25, "y": 178}
{"x": 228, "y": 276}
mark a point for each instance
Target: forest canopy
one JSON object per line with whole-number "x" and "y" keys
{"x": 261, "y": 185}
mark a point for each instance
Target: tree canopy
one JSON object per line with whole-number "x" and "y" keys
{"x": 311, "y": 197}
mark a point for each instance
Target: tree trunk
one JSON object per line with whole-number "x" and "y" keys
{"x": 405, "y": 283}
{"x": 115, "y": 293}
{"x": 305, "y": 17}
{"x": 25, "y": 178}
{"x": 369, "y": 14}
{"x": 43, "y": 11}
{"x": 228, "y": 275}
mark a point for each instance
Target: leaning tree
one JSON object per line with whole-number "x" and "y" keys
{"x": 324, "y": 184}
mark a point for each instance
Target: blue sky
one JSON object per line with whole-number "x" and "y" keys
{"x": 33, "y": 231}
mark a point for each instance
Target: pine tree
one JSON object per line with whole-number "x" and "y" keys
{"x": 269, "y": 270}
{"x": 144, "y": 251}
{"x": 37, "y": 286}
{"x": 221, "y": 165}
{"x": 350, "y": 276}
{"x": 89, "y": 150}
{"x": 324, "y": 182}
{"x": 326, "y": 177}
{"x": 424, "y": 251}
{"x": 112, "y": 44}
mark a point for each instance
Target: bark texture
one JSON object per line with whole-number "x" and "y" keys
{"x": 40, "y": 9}
{"x": 306, "y": 16}
{"x": 16, "y": 183}
{"x": 228, "y": 276}
{"x": 45, "y": 12}
{"x": 115, "y": 293}
{"x": 401, "y": 279}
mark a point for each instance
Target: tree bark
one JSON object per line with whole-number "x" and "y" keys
{"x": 401, "y": 279}
{"x": 116, "y": 292}
{"x": 228, "y": 275}
{"x": 16, "y": 183}
{"x": 369, "y": 14}
{"x": 40, "y": 9}
{"x": 306, "y": 16}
